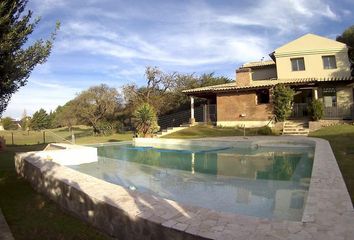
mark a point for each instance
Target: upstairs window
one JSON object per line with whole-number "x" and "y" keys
{"x": 329, "y": 62}
{"x": 263, "y": 96}
{"x": 298, "y": 64}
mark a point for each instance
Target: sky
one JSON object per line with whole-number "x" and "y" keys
{"x": 112, "y": 41}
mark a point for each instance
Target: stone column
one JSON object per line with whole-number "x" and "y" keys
{"x": 192, "y": 119}
{"x": 315, "y": 93}
{"x": 208, "y": 111}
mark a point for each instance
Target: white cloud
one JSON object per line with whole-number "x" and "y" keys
{"x": 39, "y": 94}
{"x": 200, "y": 35}
{"x": 44, "y": 6}
{"x": 285, "y": 16}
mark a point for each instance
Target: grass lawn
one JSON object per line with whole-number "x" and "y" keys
{"x": 29, "y": 214}
{"x": 201, "y": 131}
{"x": 341, "y": 138}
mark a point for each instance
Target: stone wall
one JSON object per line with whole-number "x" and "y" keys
{"x": 108, "y": 207}
{"x": 241, "y": 107}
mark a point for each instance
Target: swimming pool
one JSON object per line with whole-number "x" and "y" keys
{"x": 263, "y": 180}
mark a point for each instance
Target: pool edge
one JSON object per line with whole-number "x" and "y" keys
{"x": 328, "y": 204}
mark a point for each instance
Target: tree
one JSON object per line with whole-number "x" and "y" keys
{"x": 18, "y": 59}
{"x": 51, "y": 119}
{"x": 66, "y": 115}
{"x": 99, "y": 103}
{"x": 209, "y": 79}
{"x": 282, "y": 101}
{"x": 24, "y": 120}
{"x": 145, "y": 120}
{"x": 163, "y": 90}
{"x": 158, "y": 84}
{"x": 347, "y": 37}
{"x": 9, "y": 124}
{"x": 25, "y": 123}
{"x": 40, "y": 120}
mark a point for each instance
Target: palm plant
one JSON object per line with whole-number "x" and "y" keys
{"x": 145, "y": 120}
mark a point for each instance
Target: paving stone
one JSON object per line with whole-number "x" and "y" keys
{"x": 180, "y": 226}
{"x": 169, "y": 223}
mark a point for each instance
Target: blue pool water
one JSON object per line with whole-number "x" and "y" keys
{"x": 268, "y": 181}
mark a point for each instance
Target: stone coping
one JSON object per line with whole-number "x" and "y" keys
{"x": 129, "y": 214}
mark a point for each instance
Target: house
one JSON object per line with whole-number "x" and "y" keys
{"x": 314, "y": 66}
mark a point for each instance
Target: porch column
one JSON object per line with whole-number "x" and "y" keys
{"x": 208, "y": 111}
{"x": 315, "y": 93}
{"x": 192, "y": 119}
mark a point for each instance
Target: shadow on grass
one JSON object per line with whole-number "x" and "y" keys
{"x": 114, "y": 140}
{"x": 31, "y": 215}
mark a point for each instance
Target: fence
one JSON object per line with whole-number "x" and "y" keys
{"x": 203, "y": 113}
{"x": 339, "y": 112}
{"x": 34, "y": 137}
{"x": 299, "y": 110}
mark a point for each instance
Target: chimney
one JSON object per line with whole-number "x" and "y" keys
{"x": 243, "y": 77}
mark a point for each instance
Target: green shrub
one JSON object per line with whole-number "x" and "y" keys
{"x": 282, "y": 101}
{"x": 118, "y": 126}
{"x": 316, "y": 109}
{"x": 105, "y": 128}
{"x": 265, "y": 131}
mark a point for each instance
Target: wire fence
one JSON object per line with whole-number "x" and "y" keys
{"x": 34, "y": 137}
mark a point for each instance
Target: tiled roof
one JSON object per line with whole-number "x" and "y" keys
{"x": 263, "y": 83}
{"x": 258, "y": 64}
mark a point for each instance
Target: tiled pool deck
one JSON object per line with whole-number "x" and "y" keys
{"x": 129, "y": 214}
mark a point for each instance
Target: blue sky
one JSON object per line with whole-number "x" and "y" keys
{"x": 112, "y": 41}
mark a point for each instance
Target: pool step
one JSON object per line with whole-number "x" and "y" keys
{"x": 297, "y": 128}
{"x": 175, "y": 129}
{"x": 169, "y": 130}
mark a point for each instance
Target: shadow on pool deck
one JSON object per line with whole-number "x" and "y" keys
{"x": 5, "y": 233}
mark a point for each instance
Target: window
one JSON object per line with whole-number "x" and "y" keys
{"x": 262, "y": 96}
{"x": 297, "y": 64}
{"x": 329, "y": 97}
{"x": 329, "y": 62}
